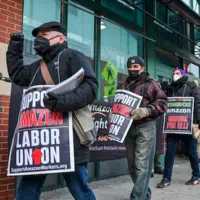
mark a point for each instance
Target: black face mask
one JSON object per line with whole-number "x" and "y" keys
{"x": 133, "y": 74}
{"x": 42, "y": 45}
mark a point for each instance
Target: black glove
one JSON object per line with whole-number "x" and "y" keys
{"x": 17, "y": 36}
{"x": 50, "y": 101}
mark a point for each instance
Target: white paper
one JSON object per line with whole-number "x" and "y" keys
{"x": 69, "y": 84}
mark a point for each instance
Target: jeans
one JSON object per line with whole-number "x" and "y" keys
{"x": 191, "y": 148}
{"x": 140, "y": 148}
{"x": 31, "y": 186}
{"x": 198, "y": 147}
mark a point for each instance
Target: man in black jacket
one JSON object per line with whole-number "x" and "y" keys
{"x": 50, "y": 44}
{"x": 181, "y": 87}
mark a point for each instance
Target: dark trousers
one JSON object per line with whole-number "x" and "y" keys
{"x": 191, "y": 148}
{"x": 140, "y": 149}
{"x": 31, "y": 186}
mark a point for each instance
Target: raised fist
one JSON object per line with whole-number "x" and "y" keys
{"x": 17, "y": 36}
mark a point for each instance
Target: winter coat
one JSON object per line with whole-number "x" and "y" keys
{"x": 185, "y": 88}
{"x": 70, "y": 62}
{"x": 153, "y": 97}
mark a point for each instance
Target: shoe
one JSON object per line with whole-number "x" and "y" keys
{"x": 158, "y": 170}
{"x": 152, "y": 174}
{"x": 165, "y": 182}
{"x": 193, "y": 181}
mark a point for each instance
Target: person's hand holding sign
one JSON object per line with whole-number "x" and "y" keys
{"x": 51, "y": 100}
{"x": 196, "y": 131}
{"x": 140, "y": 113}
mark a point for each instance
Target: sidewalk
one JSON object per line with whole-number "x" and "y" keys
{"x": 119, "y": 188}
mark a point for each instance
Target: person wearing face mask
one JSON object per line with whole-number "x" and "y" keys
{"x": 141, "y": 139}
{"x": 181, "y": 87}
{"x": 50, "y": 43}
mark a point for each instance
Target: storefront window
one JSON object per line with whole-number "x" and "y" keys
{"x": 193, "y": 4}
{"x": 174, "y": 21}
{"x": 193, "y": 70}
{"x": 80, "y": 33}
{"x": 161, "y": 11}
{"x": 125, "y": 10}
{"x": 117, "y": 44}
{"x": 37, "y": 12}
{"x": 187, "y": 2}
{"x": 196, "y": 6}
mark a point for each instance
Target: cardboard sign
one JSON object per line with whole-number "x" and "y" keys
{"x": 124, "y": 102}
{"x": 103, "y": 149}
{"x": 43, "y": 140}
{"x": 179, "y": 116}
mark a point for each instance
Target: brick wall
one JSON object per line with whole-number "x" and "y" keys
{"x": 10, "y": 18}
{"x": 10, "y": 21}
{"x": 7, "y": 184}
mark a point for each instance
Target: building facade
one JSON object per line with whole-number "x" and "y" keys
{"x": 107, "y": 32}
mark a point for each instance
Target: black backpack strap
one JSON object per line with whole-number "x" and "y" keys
{"x": 57, "y": 64}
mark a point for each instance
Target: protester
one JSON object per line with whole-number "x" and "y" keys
{"x": 141, "y": 138}
{"x": 50, "y": 43}
{"x": 198, "y": 138}
{"x": 181, "y": 87}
